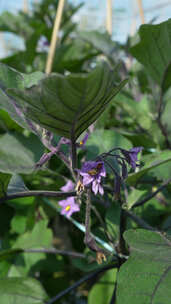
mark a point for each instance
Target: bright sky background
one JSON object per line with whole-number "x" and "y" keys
{"x": 93, "y": 14}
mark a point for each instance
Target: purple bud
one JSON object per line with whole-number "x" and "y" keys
{"x": 131, "y": 156}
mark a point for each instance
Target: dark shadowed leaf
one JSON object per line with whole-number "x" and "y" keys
{"x": 112, "y": 219}
{"x": 166, "y": 117}
{"x": 4, "y": 181}
{"x": 146, "y": 276}
{"x": 67, "y": 105}
{"x": 154, "y": 48}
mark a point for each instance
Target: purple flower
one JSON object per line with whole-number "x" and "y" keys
{"x": 69, "y": 206}
{"x": 131, "y": 156}
{"x": 69, "y": 186}
{"x": 92, "y": 171}
{"x": 84, "y": 140}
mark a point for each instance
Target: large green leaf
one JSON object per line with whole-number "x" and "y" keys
{"x": 146, "y": 276}
{"x": 67, "y": 105}
{"x": 21, "y": 290}
{"x": 154, "y": 48}
{"x": 150, "y": 162}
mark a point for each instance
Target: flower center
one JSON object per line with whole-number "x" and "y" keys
{"x": 68, "y": 208}
{"x": 95, "y": 170}
{"x": 81, "y": 143}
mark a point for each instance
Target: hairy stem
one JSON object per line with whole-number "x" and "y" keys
{"x": 37, "y": 193}
{"x": 56, "y": 251}
{"x": 87, "y": 217}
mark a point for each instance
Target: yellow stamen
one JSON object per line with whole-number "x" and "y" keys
{"x": 100, "y": 257}
{"x": 81, "y": 143}
{"x": 68, "y": 208}
{"x": 79, "y": 187}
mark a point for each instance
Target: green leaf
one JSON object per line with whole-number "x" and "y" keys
{"x": 16, "y": 185}
{"x": 133, "y": 197}
{"x": 154, "y": 48}
{"x": 22, "y": 290}
{"x": 4, "y": 181}
{"x": 67, "y": 105}
{"x": 139, "y": 111}
{"x": 10, "y": 78}
{"x": 19, "y": 154}
{"x": 16, "y": 24}
{"x": 101, "y": 141}
{"x": 6, "y": 123}
{"x": 112, "y": 220}
{"x": 151, "y": 161}
{"x": 72, "y": 56}
{"x": 102, "y": 291}
{"x": 167, "y": 78}
{"x": 146, "y": 276}
{"x": 40, "y": 236}
{"x": 166, "y": 117}
{"x": 19, "y": 223}
{"x": 100, "y": 41}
